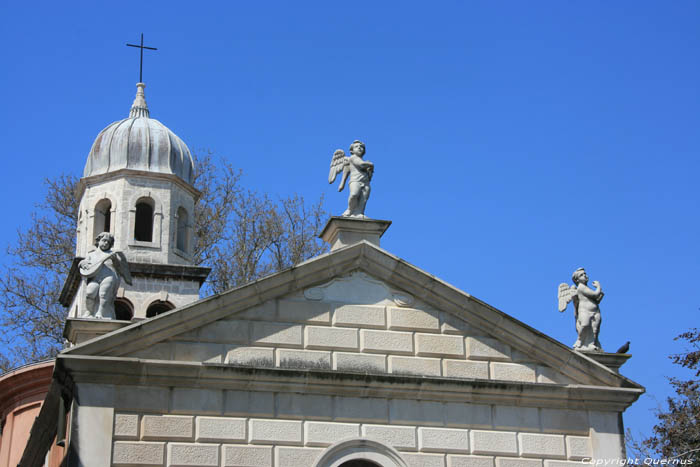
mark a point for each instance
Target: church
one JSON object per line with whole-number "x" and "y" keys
{"x": 354, "y": 358}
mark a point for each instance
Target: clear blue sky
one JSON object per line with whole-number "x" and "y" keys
{"x": 514, "y": 141}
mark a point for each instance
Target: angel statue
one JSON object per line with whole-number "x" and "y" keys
{"x": 360, "y": 172}
{"x": 102, "y": 269}
{"x": 586, "y": 311}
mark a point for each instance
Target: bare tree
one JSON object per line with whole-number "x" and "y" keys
{"x": 241, "y": 234}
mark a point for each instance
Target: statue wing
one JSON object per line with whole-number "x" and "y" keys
{"x": 122, "y": 266}
{"x": 337, "y": 164}
{"x": 566, "y": 294}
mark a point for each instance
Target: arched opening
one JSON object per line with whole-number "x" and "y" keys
{"x": 182, "y": 240}
{"x": 158, "y": 307}
{"x": 123, "y": 309}
{"x": 360, "y": 452}
{"x": 103, "y": 216}
{"x": 143, "y": 230}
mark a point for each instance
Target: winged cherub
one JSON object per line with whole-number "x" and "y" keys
{"x": 586, "y": 310}
{"x": 102, "y": 269}
{"x": 360, "y": 172}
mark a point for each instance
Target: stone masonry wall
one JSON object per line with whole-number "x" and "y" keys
{"x": 184, "y": 427}
{"x": 361, "y": 338}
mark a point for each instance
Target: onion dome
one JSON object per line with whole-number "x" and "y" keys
{"x": 139, "y": 143}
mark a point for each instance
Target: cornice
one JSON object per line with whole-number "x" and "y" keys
{"x": 134, "y": 371}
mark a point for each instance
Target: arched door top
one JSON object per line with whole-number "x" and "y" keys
{"x": 360, "y": 449}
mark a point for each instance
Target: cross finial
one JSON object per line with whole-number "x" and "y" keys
{"x": 141, "y": 63}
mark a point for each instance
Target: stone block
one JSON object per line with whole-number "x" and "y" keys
{"x": 305, "y": 359}
{"x": 424, "y": 460}
{"x": 275, "y": 431}
{"x": 443, "y": 440}
{"x": 485, "y": 348}
{"x": 159, "y": 351}
{"x": 362, "y": 363}
{"x": 295, "y": 457}
{"x": 409, "y": 319}
{"x": 469, "y": 461}
{"x": 308, "y": 406}
{"x": 414, "y": 366}
{"x": 245, "y": 403}
{"x": 199, "y": 455}
{"x": 126, "y": 426}
{"x": 220, "y": 429}
{"x": 513, "y": 372}
{"x": 225, "y": 331}
{"x": 304, "y": 312}
{"x": 362, "y": 409}
{"x": 264, "y": 312}
{"x": 141, "y": 398}
{"x": 317, "y": 337}
{"x": 251, "y": 356}
{"x": 413, "y": 412}
{"x": 517, "y": 462}
{"x": 520, "y": 357}
{"x": 246, "y": 456}
{"x": 127, "y": 453}
{"x": 578, "y": 447}
{"x": 465, "y": 369}
{"x": 325, "y": 434}
{"x": 386, "y": 342}
{"x": 193, "y": 352}
{"x": 493, "y": 442}
{"x": 537, "y": 445}
{"x": 463, "y": 414}
{"x": 398, "y": 437}
{"x": 360, "y": 316}
{"x": 159, "y": 427}
{"x": 451, "y": 324}
{"x": 549, "y": 375}
{"x": 439, "y": 345}
{"x": 565, "y": 421}
{"x": 198, "y": 401}
{"x": 263, "y": 333}
{"x": 551, "y": 463}
{"x": 516, "y": 418}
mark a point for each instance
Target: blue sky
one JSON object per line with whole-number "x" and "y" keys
{"x": 513, "y": 141}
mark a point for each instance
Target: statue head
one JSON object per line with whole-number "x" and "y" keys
{"x": 579, "y": 275}
{"x": 357, "y": 148}
{"x": 104, "y": 241}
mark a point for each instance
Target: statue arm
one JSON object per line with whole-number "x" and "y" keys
{"x": 596, "y": 295}
{"x": 361, "y": 164}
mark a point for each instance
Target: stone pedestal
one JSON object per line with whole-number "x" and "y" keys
{"x": 344, "y": 231}
{"x": 79, "y": 330}
{"x": 612, "y": 360}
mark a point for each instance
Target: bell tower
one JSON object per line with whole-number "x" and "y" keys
{"x": 138, "y": 184}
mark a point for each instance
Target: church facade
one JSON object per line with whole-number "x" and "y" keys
{"x": 353, "y": 358}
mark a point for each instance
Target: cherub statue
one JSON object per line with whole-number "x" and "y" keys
{"x": 586, "y": 310}
{"x": 360, "y": 172}
{"x": 102, "y": 269}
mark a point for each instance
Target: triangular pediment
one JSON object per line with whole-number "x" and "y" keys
{"x": 356, "y": 309}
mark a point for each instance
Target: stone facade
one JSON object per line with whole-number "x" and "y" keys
{"x": 352, "y": 355}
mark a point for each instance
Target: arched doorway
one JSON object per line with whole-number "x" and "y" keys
{"x": 360, "y": 452}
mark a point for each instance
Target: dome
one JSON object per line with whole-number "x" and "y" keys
{"x": 139, "y": 143}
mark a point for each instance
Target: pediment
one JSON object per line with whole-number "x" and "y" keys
{"x": 356, "y": 309}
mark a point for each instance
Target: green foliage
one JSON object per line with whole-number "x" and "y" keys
{"x": 677, "y": 433}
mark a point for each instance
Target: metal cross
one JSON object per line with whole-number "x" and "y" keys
{"x": 141, "y": 64}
